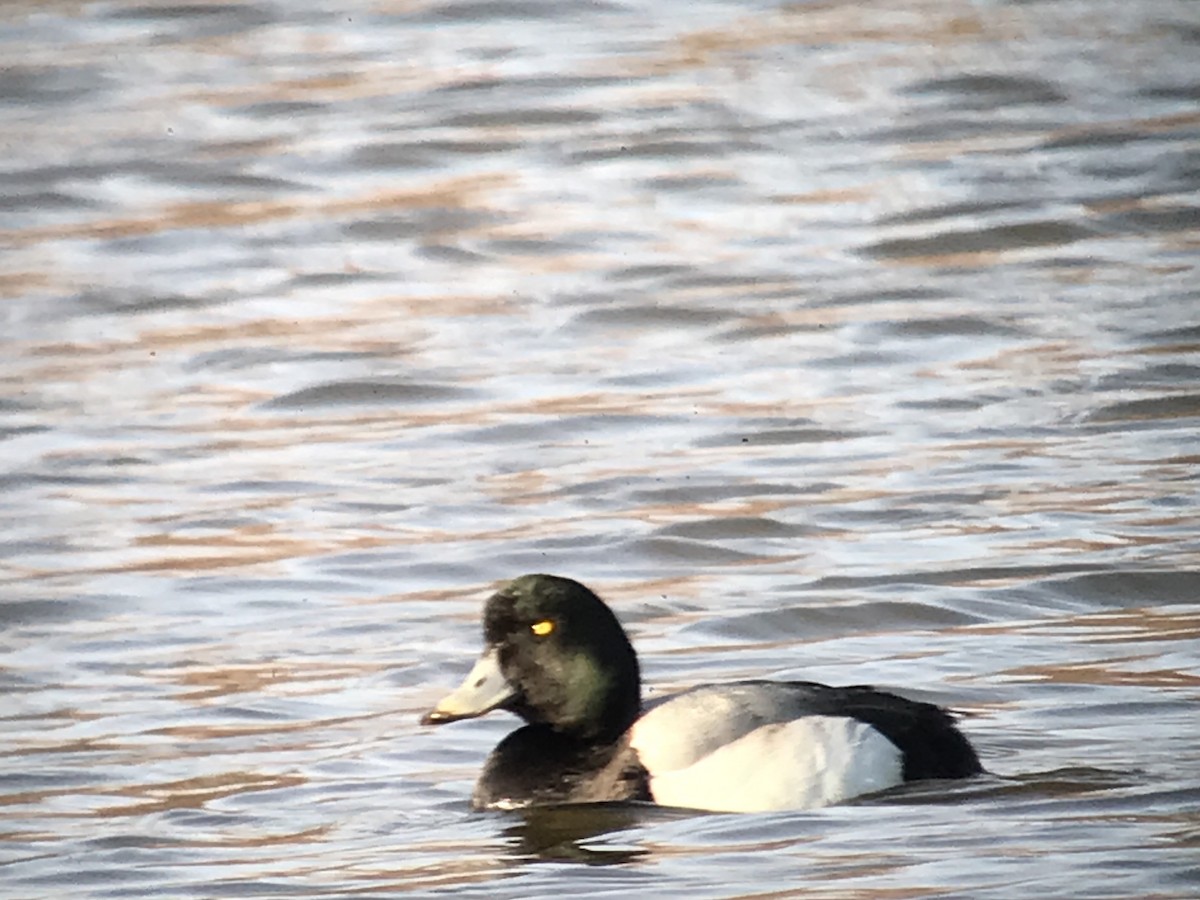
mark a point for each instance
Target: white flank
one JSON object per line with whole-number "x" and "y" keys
{"x": 731, "y": 761}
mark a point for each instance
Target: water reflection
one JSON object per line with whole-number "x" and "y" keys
{"x": 595, "y": 834}
{"x": 854, "y": 343}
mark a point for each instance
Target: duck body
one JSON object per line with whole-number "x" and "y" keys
{"x": 557, "y": 656}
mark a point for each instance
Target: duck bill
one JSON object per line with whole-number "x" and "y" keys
{"x": 484, "y": 689}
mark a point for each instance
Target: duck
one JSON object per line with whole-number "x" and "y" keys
{"x": 556, "y": 656}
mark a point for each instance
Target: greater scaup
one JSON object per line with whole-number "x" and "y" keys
{"x": 557, "y": 657}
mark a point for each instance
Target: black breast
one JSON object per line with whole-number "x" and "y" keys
{"x": 536, "y": 766}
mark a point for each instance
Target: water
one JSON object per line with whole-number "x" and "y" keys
{"x": 849, "y": 342}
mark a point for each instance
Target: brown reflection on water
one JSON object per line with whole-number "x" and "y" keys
{"x": 1105, "y": 673}
{"x": 201, "y": 733}
{"x": 190, "y": 793}
{"x": 297, "y": 679}
{"x": 1131, "y": 625}
{"x": 17, "y": 284}
{"x": 328, "y": 425}
{"x": 460, "y": 191}
{"x": 245, "y": 546}
{"x": 322, "y": 88}
{"x": 355, "y": 327}
{"x": 677, "y": 587}
{"x": 1034, "y": 362}
{"x": 193, "y": 793}
{"x": 926, "y": 25}
{"x": 462, "y": 865}
{"x": 1137, "y": 625}
{"x": 60, "y": 746}
{"x": 259, "y": 839}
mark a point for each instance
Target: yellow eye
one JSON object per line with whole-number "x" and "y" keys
{"x": 542, "y": 628}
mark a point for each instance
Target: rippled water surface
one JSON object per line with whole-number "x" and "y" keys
{"x": 847, "y": 341}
